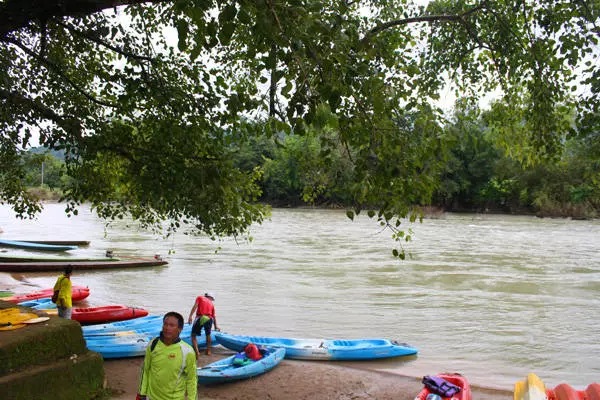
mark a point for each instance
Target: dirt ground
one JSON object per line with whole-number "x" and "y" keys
{"x": 294, "y": 380}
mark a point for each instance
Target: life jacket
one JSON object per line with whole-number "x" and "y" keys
{"x": 252, "y": 352}
{"x": 440, "y": 386}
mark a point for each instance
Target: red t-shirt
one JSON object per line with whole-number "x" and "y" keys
{"x": 205, "y": 307}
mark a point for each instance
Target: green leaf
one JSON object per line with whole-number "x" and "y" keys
{"x": 350, "y": 214}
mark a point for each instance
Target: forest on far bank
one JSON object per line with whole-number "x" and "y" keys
{"x": 477, "y": 173}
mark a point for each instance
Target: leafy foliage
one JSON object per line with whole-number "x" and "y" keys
{"x": 149, "y": 100}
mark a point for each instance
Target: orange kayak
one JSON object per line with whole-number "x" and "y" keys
{"x": 567, "y": 392}
{"x": 97, "y": 315}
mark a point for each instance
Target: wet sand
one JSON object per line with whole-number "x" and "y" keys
{"x": 292, "y": 379}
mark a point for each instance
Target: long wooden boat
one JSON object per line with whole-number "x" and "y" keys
{"x": 225, "y": 370}
{"x": 102, "y": 314}
{"x": 38, "y": 258}
{"x": 77, "y": 265}
{"x": 322, "y": 349}
{"x": 77, "y": 293}
{"x": 35, "y": 246}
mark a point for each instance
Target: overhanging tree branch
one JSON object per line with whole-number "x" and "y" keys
{"x": 425, "y": 18}
{"x": 58, "y": 71}
{"x": 100, "y": 42}
{"x": 16, "y": 14}
{"x": 69, "y": 124}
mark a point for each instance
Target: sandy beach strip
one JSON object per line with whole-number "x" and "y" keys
{"x": 293, "y": 380}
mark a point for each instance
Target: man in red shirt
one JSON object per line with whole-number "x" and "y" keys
{"x": 205, "y": 316}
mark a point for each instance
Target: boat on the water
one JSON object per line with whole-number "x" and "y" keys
{"x": 447, "y": 386}
{"x": 78, "y": 243}
{"x": 102, "y": 314}
{"x": 78, "y": 293}
{"x": 39, "y": 266}
{"x": 39, "y": 258}
{"x": 225, "y": 370}
{"x": 35, "y": 246}
{"x": 322, "y": 349}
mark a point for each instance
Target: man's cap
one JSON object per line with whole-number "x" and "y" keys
{"x": 207, "y": 294}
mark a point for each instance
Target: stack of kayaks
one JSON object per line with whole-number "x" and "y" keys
{"x": 78, "y": 293}
{"x": 226, "y": 371}
{"x": 322, "y": 349}
{"x": 532, "y": 388}
{"x": 130, "y": 338}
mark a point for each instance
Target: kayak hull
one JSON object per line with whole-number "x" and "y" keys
{"x": 224, "y": 370}
{"x": 78, "y": 293}
{"x": 135, "y": 345}
{"x": 98, "y": 315}
{"x": 35, "y": 246}
{"x": 322, "y": 349}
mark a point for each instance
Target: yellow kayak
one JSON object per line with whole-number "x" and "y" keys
{"x": 12, "y": 318}
{"x": 532, "y": 388}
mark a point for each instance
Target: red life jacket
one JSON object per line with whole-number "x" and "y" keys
{"x": 252, "y": 352}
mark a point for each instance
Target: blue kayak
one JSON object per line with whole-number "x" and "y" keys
{"x": 39, "y": 304}
{"x": 225, "y": 371}
{"x": 35, "y": 246}
{"x": 322, "y": 349}
{"x": 131, "y": 324}
{"x": 134, "y": 345}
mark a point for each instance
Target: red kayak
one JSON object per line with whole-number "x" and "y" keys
{"x": 98, "y": 315}
{"x": 454, "y": 379}
{"x": 78, "y": 293}
{"x": 567, "y": 392}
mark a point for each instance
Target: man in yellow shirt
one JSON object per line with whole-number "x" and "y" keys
{"x": 63, "y": 286}
{"x": 169, "y": 370}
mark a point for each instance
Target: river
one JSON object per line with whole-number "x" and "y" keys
{"x": 490, "y": 296}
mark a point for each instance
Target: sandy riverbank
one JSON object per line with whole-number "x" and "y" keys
{"x": 292, "y": 379}
{"x": 295, "y": 380}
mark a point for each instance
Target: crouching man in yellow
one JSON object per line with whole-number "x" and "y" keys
{"x": 169, "y": 370}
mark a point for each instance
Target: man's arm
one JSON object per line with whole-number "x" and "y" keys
{"x": 143, "y": 388}
{"x": 192, "y": 312}
{"x": 191, "y": 376}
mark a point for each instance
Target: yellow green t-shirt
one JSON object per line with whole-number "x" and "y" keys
{"x": 169, "y": 372}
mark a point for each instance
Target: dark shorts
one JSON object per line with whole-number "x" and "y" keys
{"x": 197, "y": 328}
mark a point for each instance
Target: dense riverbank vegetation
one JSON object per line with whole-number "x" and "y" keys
{"x": 476, "y": 174}
{"x": 163, "y": 109}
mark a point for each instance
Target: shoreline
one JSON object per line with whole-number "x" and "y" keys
{"x": 292, "y": 379}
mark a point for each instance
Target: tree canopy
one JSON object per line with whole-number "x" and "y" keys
{"x": 149, "y": 99}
